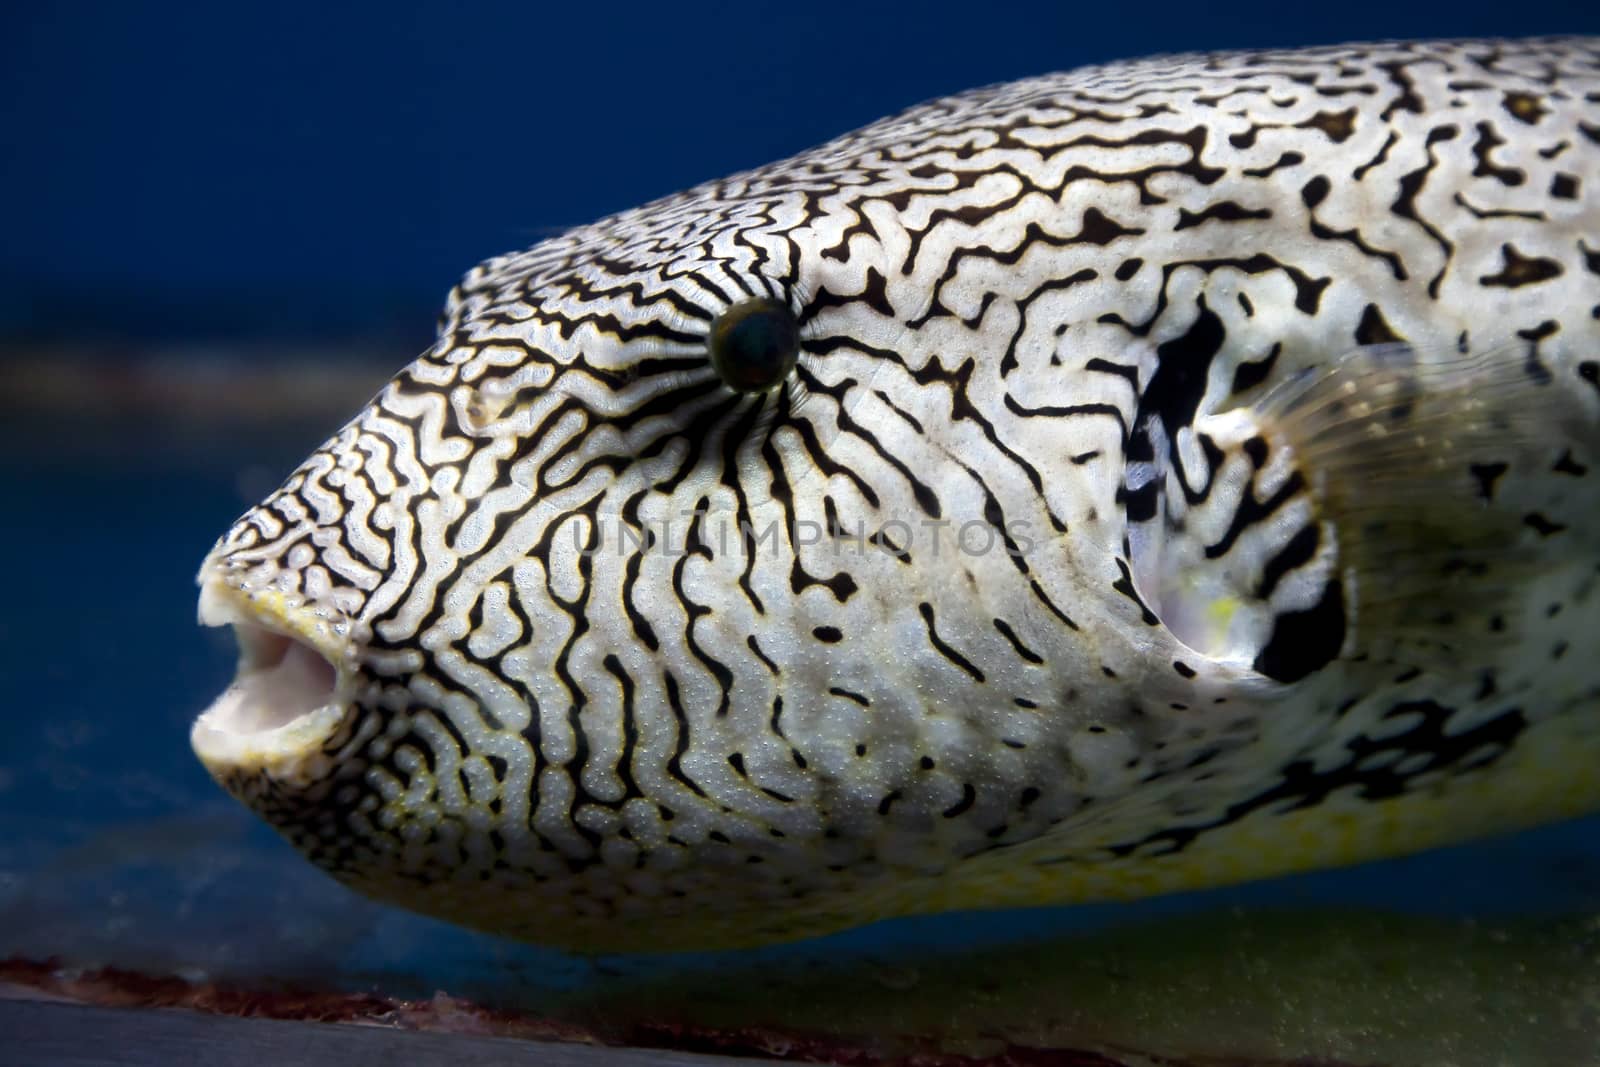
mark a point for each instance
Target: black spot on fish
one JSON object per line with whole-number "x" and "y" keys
{"x": 1486, "y": 143}
{"x": 1304, "y": 641}
{"x": 1124, "y": 585}
{"x": 1374, "y": 329}
{"x": 1519, "y": 270}
{"x": 1487, "y": 474}
{"x": 1140, "y": 503}
{"x": 1541, "y": 525}
{"x": 1526, "y": 108}
{"x": 1569, "y": 466}
{"x": 968, "y": 796}
{"x": 1589, "y": 371}
{"x": 1179, "y": 382}
{"x": 1251, "y": 373}
{"x": 1299, "y": 551}
{"x": 1338, "y": 125}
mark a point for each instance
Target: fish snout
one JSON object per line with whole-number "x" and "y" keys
{"x": 291, "y": 693}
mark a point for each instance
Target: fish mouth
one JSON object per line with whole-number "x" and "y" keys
{"x": 291, "y": 690}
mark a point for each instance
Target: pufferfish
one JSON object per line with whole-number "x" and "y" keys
{"x": 1152, "y": 476}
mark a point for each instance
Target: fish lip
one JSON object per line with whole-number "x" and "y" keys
{"x": 293, "y": 685}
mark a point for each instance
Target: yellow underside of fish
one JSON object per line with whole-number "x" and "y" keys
{"x": 1548, "y": 775}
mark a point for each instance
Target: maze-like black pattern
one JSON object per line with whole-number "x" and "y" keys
{"x": 636, "y": 648}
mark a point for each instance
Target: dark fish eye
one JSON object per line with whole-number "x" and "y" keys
{"x": 753, "y": 344}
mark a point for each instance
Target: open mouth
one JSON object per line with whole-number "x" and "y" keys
{"x": 285, "y": 697}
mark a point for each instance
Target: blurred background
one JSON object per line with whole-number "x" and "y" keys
{"x": 226, "y": 224}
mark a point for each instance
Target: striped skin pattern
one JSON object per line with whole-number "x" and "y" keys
{"x": 606, "y": 680}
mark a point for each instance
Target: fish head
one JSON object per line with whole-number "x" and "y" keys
{"x": 936, "y": 520}
{"x": 686, "y": 541}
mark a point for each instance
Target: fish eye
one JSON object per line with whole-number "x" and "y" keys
{"x": 754, "y": 344}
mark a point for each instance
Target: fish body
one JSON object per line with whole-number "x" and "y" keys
{"x": 1150, "y": 476}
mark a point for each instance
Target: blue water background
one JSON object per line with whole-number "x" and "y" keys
{"x": 198, "y": 174}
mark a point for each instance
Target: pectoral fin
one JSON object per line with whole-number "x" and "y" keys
{"x": 1388, "y": 498}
